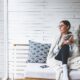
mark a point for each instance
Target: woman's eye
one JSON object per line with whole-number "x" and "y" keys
{"x": 61, "y": 26}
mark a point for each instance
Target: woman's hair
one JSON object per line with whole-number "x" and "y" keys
{"x": 67, "y": 23}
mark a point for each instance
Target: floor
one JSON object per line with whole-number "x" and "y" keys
{"x": 37, "y": 79}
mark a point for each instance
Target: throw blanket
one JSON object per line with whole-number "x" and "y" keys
{"x": 73, "y": 63}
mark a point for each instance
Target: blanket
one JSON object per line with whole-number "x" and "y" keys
{"x": 73, "y": 63}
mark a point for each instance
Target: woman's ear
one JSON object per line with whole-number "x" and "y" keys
{"x": 68, "y": 27}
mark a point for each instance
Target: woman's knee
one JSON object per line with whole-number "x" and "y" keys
{"x": 65, "y": 51}
{"x": 65, "y": 47}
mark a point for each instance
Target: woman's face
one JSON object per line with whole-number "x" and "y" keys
{"x": 63, "y": 28}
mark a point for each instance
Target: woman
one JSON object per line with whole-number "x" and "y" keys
{"x": 63, "y": 46}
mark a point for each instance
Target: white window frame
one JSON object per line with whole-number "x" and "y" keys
{"x": 6, "y": 68}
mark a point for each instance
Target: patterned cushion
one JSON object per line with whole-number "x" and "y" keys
{"x": 38, "y": 52}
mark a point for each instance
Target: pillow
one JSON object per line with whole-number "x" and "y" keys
{"x": 37, "y": 52}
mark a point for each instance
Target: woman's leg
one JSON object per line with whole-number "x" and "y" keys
{"x": 63, "y": 56}
{"x": 64, "y": 53}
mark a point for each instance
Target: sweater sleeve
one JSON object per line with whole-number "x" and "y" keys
{"x": 53, "y": 43}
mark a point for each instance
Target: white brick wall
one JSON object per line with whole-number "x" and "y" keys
{"x": 38, "y": 20}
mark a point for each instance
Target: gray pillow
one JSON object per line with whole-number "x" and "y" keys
{"x": 37, "y": 52}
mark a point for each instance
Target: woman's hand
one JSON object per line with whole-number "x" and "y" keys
{"x": 66, "y": 42}
{"x": 70, "y": 41}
